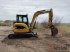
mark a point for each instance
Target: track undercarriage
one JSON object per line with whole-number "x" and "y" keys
{"x": 22, "y": 35}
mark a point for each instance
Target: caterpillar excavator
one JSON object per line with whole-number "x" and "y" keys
{"x": 22, "y": 28}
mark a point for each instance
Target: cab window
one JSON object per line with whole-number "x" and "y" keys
{"x": 20, "y": 18}
{"x": 24, "y": 19}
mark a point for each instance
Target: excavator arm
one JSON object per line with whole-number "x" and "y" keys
{"x": 36, "y": 14}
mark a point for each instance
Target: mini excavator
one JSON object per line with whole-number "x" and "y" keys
{"x": 22, "y": 28}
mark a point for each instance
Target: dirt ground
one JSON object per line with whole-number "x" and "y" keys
{"x": 44, "y": 42}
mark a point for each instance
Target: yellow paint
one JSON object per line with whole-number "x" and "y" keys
{"x": 26, "y": 29}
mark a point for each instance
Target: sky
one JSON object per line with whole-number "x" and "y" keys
{"x": 10, "y": 8}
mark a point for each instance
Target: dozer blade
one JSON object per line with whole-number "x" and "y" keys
{"x": 22, "y": 35}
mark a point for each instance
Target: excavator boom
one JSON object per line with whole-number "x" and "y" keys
{"x": 36, "y": 14}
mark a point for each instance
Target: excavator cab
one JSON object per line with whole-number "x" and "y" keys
{"x": 22, "y": 19}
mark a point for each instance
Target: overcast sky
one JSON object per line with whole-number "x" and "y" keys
{"x": 9, "y": 9}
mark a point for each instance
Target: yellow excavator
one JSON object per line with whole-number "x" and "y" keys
{"x": 22, "y": 27}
